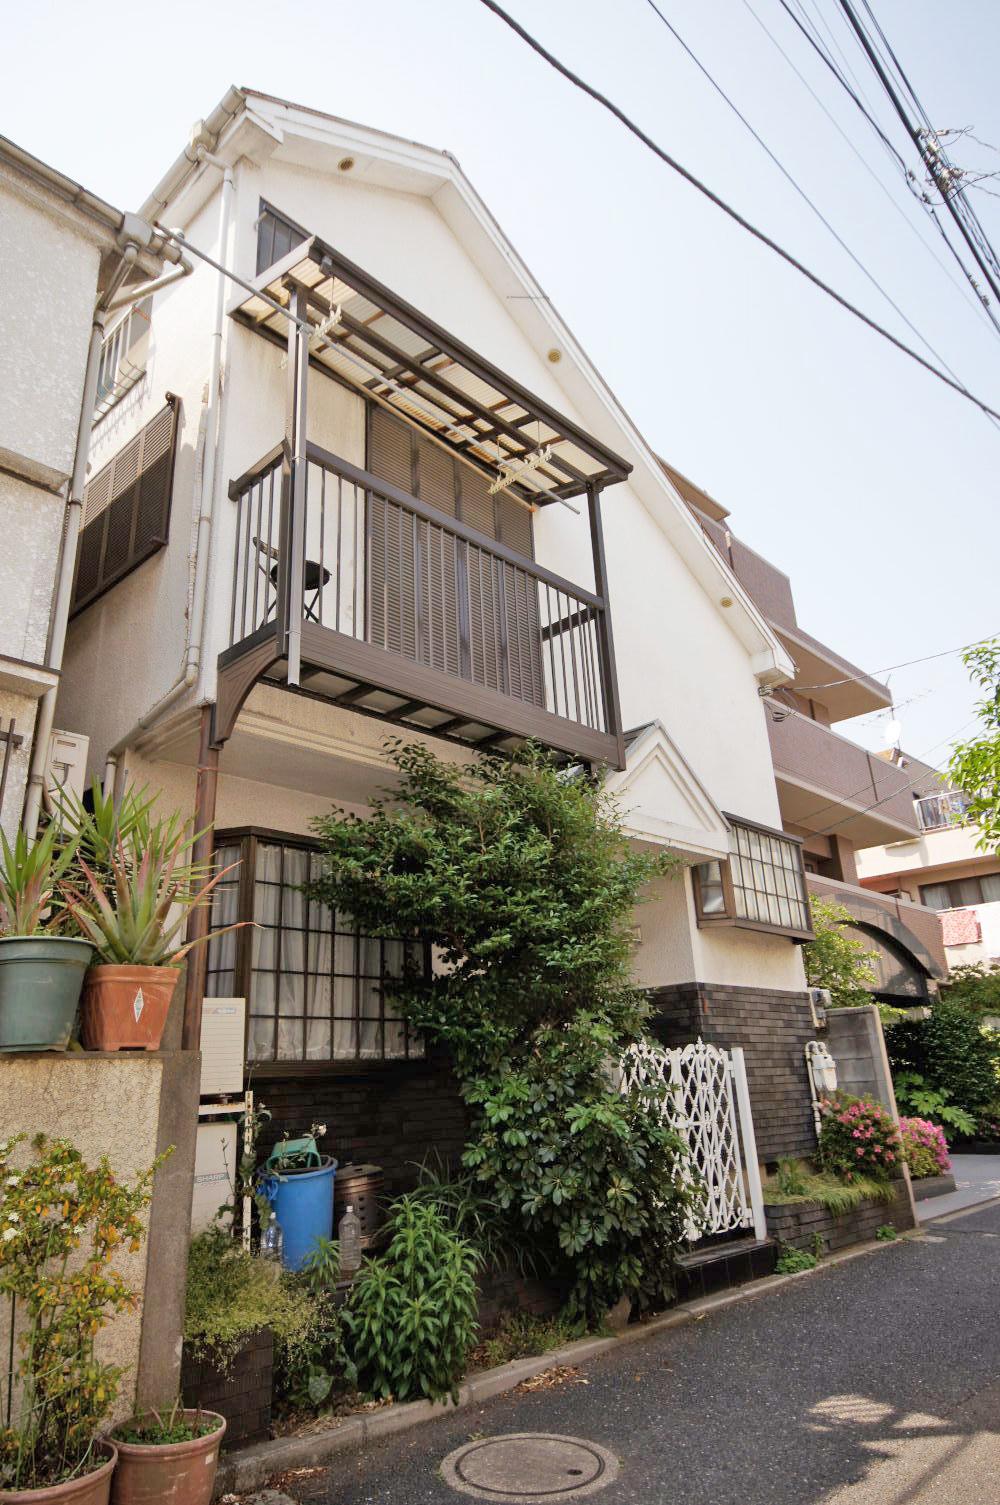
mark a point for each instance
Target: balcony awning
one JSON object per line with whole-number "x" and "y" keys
{"x": 371, "y": 339}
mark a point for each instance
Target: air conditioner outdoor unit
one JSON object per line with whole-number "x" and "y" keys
{"x": 68, "y": 762}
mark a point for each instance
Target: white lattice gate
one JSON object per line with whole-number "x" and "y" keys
{"x": 707, "y": 1103}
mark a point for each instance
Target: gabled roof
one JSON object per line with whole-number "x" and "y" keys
{"x": 248, "y": 122}
{"x": 662, "y": 800}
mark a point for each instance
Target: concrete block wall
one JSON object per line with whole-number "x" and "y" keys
{"x": 772, "y": 1027}
{"x": 798, "y": 1223}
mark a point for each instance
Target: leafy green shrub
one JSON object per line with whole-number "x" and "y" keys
{"x": 924, "y": 1146}
{"x": 858, "y": 1137}
{"x": 474, "y": 1215}
{"x": 952, "y": 1055}
{"x": 522, "y": 879}
{"x": 520, "y": 1336}
{"x": 837, "y": 959}
{"x": 411, "y": 1316}
{"x": 791, "y": 1261}
{"x": 913, "y": 1092}
{"x": 885, "y": 1233}
{"x": 232, "y": 1294}
{"x": 974, "y": 988}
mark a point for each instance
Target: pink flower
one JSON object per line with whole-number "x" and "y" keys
{"x": 856, "y": 1134}
{"x": 876, "y": 1149}
{"x": 859, "y": 1151}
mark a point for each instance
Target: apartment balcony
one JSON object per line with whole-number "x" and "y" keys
{"x": 827, "y": 783}
{"x": 348, "y": 587}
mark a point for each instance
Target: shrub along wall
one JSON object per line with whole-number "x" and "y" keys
{"x": 798, "y": 1223}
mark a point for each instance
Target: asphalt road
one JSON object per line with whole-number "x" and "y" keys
{"x": 875, "y": 1382}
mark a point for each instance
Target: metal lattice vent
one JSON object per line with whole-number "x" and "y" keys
{"x": 530, "y": 1466}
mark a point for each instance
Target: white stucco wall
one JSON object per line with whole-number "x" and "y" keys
{"x": 32, "y": 528}
{"x": 49, "y": 262}
{"x": 678, "y": 659}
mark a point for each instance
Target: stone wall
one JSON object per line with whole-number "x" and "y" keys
{"x": 856, "y": 1042}
{"x": 772, "y": 1027}
{"x": 798, "y": 1223}
{"x": 130, "y": 1107}
{"x": 395, "y": 1114}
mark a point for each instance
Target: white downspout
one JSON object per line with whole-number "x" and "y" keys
{"x": 206, "y": 502}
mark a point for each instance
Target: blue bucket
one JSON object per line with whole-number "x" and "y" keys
{"x": 303, "y": 1206}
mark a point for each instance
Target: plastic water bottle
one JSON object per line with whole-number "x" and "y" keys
{"x": 349, "y": 1235}
{"x": 272, "y": 1240}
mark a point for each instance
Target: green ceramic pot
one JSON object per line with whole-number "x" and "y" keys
{"x": 40, "y": 981}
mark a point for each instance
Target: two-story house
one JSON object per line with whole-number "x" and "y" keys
{"x": 835, "y": 796}
{"x": 361, "y": 478}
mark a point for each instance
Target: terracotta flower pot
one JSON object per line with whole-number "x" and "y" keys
{"x": 125, "y": 1008}
{"x": 89, "y": 1489}
{"x": 169, "y": 1473}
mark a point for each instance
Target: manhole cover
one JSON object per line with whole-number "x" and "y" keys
{"x": 529, "y": 1466}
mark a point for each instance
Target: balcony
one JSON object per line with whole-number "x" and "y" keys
{"x": 937, "y": 812}
{"x": 827, "y": 783}
{"x": 349, "y": 588}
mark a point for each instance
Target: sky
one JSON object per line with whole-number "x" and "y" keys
{"x": 872, "y": 485}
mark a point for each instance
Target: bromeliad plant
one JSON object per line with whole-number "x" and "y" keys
{"x": 62, "y": 1224}
{"x": 136, "y": 917}
{"x": 30, "y": 873}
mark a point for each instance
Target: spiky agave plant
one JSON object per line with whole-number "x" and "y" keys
{"x": 135, "y": 916}
{"x": 29, "y": 874}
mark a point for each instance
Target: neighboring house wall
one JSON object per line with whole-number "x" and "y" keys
{"x": 50, "y": 259}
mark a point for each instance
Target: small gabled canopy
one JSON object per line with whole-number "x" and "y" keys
{"x": 662, "y": 800}
{"x": 374, "y": 340}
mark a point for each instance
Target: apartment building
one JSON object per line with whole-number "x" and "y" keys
{"x": 942, "y": 868}
{"x": 354, "y": 476}
{"x": 837, "y": 798}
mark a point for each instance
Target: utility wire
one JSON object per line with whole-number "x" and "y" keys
{"x": 826, "y": 830}
{"x": 732, "y": 213}
{"x": 972, "y": 233}
{"x": 928, "y": 207}
{"x": 970, "y": 298}
{"x": 855, "y": 678}
{"x": 799, "y": 189}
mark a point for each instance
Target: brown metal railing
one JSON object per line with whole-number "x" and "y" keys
{"x": 380, "y": 566}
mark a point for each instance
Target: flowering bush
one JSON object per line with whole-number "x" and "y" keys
{"x": 924, "y": 1146}
{"x": 62, "y": 1223}
{"x": 856, "y": 1136}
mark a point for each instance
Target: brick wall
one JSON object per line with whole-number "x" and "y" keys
{"x": 241, "y": 1393}
{"x": 798, "y": 1223}
{"x": 772, "y": 1027}
{"x": 393, "y": 1114}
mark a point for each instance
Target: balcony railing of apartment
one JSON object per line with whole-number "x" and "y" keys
{"x": 349, "y": 588}
{"x": 825, "y": 780}
{"x": 936, "y": 811}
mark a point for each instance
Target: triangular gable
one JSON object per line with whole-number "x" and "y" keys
{"x": 664, "y": 803}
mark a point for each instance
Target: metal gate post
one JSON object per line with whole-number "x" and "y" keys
{"x": 749, "y": 1143}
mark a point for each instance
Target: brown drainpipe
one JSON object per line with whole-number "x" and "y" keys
{"x": 204, "y": 848}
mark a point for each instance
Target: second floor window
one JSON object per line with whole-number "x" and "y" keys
{"x": 316, "y": 987}
{"x": 960, "y": 893}
{"x": 761, "y": 887}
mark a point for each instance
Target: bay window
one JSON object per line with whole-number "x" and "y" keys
{"x": 762, "y": 886}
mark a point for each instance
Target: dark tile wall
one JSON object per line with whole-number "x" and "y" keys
{"x": 242, "y": 1393}
{"x": 797, "y": 1223}
{"x": 393, "y": 1114}
{"x": 772, "y": 1027}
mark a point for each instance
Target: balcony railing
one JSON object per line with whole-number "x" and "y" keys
{"x": 394, "y": 607}
{"x": 936, "y": 811}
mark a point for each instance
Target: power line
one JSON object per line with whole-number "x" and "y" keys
{"x": 826, "y": 830}
{"x": 937, "y": 162}
{"x": 852, "y": 679}
{"x": 968, "y": 297}
{"x": 899, "y": 159}
{"x": 797, "y": 187}
{"x": 732, "y": 213}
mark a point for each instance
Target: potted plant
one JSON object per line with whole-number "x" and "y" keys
{"x": 41, "y": 972}
{"x": 133, "y": 916}
{"x": 167, "y": 1457}
{"x": 62, "y": 1223}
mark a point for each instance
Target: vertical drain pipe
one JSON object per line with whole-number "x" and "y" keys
{"x": 204, "y": 847}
